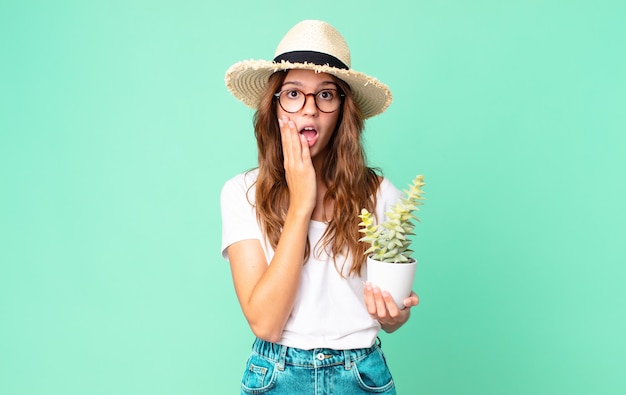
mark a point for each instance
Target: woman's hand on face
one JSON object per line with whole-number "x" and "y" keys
{"x": 381, "y": 307}
{"x": 299, "y": 170}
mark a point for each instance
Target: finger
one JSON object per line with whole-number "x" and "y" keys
{"x": 288, "y": 135}
{"x": 304, "y": 146}
{"x": 412, "y": 300}
{"x": 390, "y": 304}
{"x": 284, "y": 138}
{"x": 381, "y": 308}
{"x": 370, "y": 303}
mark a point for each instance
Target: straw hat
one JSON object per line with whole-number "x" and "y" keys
{"x": 310, "y": 45}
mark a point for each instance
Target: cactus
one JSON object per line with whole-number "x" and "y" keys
{"x": 388, "y": 241}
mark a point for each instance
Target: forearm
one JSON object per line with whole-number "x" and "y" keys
{"x": 270, "y": 303}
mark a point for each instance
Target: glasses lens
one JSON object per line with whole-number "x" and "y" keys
{"x": 328, "y": 100}
{"x": 292, "y": 100}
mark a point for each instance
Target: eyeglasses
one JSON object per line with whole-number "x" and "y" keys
{"x": 293, "y": 100}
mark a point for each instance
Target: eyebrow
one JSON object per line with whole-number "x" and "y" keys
{"x": 299, "y": 84}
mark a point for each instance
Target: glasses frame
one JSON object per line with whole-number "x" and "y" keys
{"x": 306, "y": 95}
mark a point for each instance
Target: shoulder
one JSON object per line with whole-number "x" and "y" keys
{"x": 388, "y": 191}
{"x": 242, "y": 182}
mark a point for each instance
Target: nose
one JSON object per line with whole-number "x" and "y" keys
{"x": 310, "y": 107}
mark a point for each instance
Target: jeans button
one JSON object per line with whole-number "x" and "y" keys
{"x": 320, "y": 356}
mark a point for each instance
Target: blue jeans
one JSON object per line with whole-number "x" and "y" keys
{"x": 275, "y": 369}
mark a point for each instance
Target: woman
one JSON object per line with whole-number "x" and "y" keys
{"x": 290, "y": 227}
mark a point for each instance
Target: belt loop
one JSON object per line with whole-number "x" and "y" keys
{"x": 282, "y": 356}
{"x": 347, "y": 360}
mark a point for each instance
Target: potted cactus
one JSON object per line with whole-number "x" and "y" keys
{"x": 389, "y": 262}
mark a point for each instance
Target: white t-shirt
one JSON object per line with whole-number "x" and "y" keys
{"x": 329, "y": 311}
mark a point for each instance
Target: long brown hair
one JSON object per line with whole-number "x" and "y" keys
{"x": 351, "y": 185}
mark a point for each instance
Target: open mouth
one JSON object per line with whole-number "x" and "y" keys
{"x": 310, "y": 134}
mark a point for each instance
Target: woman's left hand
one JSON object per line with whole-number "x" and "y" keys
{"x": 381, "y": 307}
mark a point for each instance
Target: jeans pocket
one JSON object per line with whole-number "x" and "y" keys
{"x": 259, "y": 376}
{"x": 372, "y": 373}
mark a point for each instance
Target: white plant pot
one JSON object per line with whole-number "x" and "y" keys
{"x": 395, "y": 278}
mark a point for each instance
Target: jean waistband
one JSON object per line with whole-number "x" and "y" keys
{"x": 317, "y": 357}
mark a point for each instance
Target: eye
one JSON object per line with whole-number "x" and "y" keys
{"x": 292, "y": 94}
{"x": 326, "y": 95}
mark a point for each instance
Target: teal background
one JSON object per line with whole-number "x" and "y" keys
{"x": 117, "y": 133}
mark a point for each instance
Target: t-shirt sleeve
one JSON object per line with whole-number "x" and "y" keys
{"x": 238, "y": 213}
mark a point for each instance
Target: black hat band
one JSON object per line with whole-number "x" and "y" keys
{"x": 318, "y": 58}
